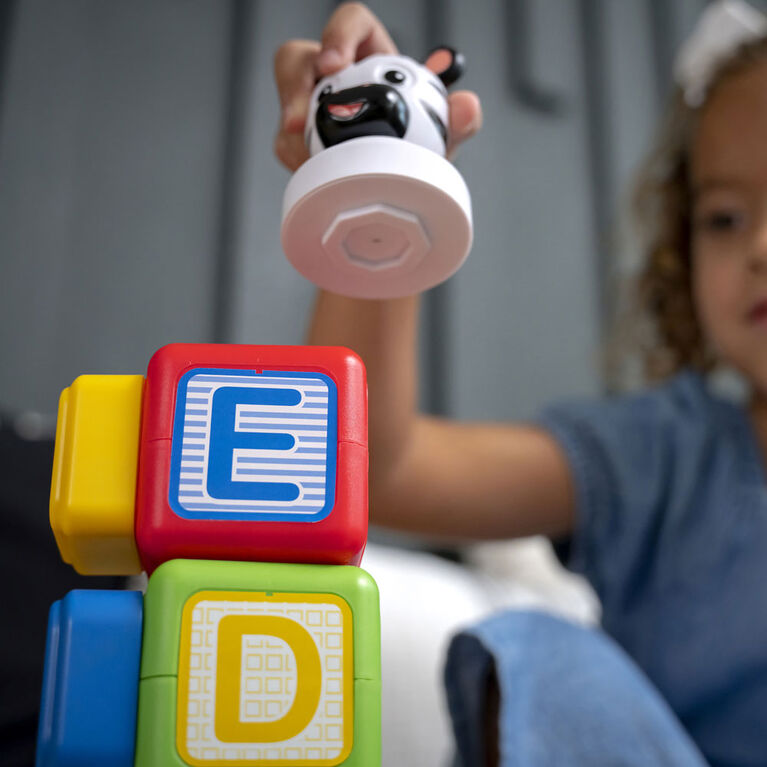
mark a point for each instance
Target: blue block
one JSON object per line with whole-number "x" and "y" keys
{"x": 90, "y": 682}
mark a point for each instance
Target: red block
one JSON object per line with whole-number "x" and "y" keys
{"x": 253, "y": 453}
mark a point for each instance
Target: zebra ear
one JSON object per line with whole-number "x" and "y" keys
{"x": 447, "y": 63}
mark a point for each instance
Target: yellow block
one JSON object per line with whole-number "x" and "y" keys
{"x": 93, "y": 490}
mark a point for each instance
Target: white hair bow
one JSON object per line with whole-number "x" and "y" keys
{"x": 721, "y": 29}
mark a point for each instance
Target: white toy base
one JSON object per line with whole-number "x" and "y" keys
{"x": 376, "y": 217}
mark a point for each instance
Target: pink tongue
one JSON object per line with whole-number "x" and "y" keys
{"x": 345, "y": 110}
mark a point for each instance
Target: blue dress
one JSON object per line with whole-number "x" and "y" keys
{"x": 671, "y": 531}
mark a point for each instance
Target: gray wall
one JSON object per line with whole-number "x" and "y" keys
{"x": 111, "y": 137}
{"x": 140, "y": 200}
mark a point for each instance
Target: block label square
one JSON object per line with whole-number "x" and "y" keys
{"x": 254, "y": 445}
{"x": 265, "y": 679}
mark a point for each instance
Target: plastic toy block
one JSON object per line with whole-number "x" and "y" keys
{"x": 255, "y": 453}
{"x": 90, "y": 683}
{"x": 259, "y": 664}
{"x": 94, "y": 474}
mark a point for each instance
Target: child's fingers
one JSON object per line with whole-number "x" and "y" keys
{"x": 290, "y": 149}
{"x": 295, "y": 72}
{"x": 352, "y": 33}
{"x": 465, "y": 117}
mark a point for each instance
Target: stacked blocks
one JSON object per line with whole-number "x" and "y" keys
{"x": 236, "y": 476}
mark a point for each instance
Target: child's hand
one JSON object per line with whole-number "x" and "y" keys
{"x": 352, "y": 33}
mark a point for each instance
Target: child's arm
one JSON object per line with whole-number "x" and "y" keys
{"x": 433, "y": 475}
{"x": 427, "y": 475}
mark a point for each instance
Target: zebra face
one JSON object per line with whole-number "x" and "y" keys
{"x": 384, "y": 96}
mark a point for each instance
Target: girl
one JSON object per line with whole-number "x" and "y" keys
{"x": 661, "y": 496}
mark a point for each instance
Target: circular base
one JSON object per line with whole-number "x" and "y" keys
{"x": 376, "y": 217}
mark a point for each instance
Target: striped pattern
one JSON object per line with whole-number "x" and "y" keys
{"x": 305, "y": 465}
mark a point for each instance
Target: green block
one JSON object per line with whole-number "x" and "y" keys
{"x": 367, "y": 724}
{"x": 157, "y": 718}
{"x": 156, "y": 724}
{"x": 283, "y": 656}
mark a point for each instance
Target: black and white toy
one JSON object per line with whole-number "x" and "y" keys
{"x": 377, "y": 211}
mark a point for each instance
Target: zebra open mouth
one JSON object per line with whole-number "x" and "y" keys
{"x": 372, "y": 109}
{"x": 345, "y": 112}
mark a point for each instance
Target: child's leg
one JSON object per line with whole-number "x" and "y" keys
{"x": 566, "y": 695}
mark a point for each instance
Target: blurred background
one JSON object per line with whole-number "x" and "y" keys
{"x": 140, "y": 204}
{"x": 140, "y": 200}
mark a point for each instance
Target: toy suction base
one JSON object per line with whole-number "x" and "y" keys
{"x": 376, "y": 217}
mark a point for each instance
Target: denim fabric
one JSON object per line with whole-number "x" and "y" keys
{"x": 570, "y": 697}
{"x": 671, "y": 531}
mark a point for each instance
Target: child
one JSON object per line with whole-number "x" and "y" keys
{"x": 662, "y": 496}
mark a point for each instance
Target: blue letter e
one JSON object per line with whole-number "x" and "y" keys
{"x": 225, "y": 438}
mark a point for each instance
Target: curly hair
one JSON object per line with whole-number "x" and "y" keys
{"x": 662, "y": 208}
